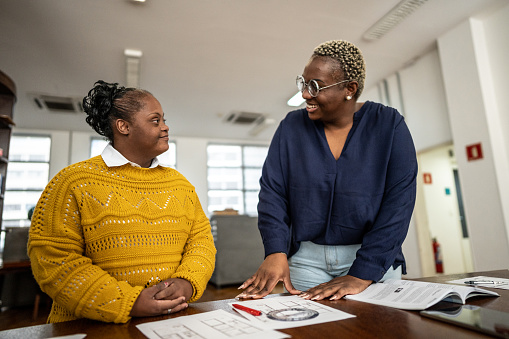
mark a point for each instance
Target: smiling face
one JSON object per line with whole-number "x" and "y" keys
{"x": 329, "y": 103}
{"x": 148, "y": 132}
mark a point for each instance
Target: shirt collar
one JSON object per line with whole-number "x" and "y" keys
{"x": 113, "y": 158}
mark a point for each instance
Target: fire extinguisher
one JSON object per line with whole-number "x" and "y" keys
{"x": 437, "y": 251}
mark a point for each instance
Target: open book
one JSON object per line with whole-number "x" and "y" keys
{"x": 416, "y": 295}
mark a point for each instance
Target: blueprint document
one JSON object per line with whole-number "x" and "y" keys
{"x": 213, "y": 325}
{"x": 325, "y": 313}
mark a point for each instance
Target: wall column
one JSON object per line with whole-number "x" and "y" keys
{"x": 475, "y": 115}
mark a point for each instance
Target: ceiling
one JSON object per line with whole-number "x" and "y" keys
{"x": 202, "y": 59}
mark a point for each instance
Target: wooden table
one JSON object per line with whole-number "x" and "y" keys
{"x": 15, "y": 267}
{"x": 371, "y": 321}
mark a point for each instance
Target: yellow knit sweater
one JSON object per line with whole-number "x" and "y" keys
{"x": 100, "y": 235}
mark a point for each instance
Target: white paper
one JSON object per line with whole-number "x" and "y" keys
{"x": 325, "y": 313}
{"x": 415, "y": 295}
{"x": 217, "y": 324}
{"x": 499, "y": 282}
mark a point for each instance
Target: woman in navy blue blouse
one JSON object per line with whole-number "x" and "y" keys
{"x": 337, "y": 188}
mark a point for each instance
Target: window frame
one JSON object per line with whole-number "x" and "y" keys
{"x": 243, "y": 167}
{"x": 25, "y": 222}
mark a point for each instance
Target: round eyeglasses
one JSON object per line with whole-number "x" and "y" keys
{"x": 312, "y": 85}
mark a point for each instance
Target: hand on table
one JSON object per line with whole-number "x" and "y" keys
{"x": 273, "y": 270}
{"x": 337, "y": 288}
{"x": 167, "y": 297}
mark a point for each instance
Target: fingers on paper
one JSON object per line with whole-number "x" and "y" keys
{"x": 288, "y": 285}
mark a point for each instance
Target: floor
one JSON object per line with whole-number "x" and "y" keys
{"x": 23, "y": 316}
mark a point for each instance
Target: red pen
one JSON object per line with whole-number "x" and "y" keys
{"x": 247, "y": 309}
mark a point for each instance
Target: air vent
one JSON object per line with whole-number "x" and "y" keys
{"x": 244, "y": 118}
{"x": 57, "y": 103}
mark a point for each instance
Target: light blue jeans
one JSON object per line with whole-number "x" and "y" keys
{"x": 315, "y": 264}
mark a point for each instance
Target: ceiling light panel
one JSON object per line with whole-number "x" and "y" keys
{"x": 296, "y": 100}
{"x": 392, "y": 19}
{"x": 133, "y": 58}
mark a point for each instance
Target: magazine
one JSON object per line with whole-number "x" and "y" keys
{"x": 417, "y": 295}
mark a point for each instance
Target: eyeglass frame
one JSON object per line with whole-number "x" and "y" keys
{"x": 306, "y": 85}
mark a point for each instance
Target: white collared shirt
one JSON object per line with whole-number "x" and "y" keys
{"x": 114, "y": 158}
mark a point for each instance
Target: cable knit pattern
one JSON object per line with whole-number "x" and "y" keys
{"x": 100, "y": 235}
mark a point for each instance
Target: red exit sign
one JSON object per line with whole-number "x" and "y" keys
{"x": 474, "y": 152}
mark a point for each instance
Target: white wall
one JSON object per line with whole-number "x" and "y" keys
{"x": 418, "y": 93}
{"x": 80, "y": 146}
{"x": 474, "y": 114}
{"x": 424, "y": 101}
{"x": 497, "y": 51}
{"x": 192, "y": 163}
{"x": 493, "y": 50}
{"x": 395, "y": 91}
{"x": 371, "y": 94}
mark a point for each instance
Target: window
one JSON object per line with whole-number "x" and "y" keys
{"x": 27, "y": 176}
{"x": 168, "y": 158}
{"x": 233, "y": 174}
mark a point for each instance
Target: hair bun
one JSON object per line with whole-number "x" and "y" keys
{"x": 98, "y": 103}
{"x": 107, "y": 102}
{"x": 100, "y": 98}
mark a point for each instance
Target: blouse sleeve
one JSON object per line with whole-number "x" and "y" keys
{"x": 381, "y": 245}
{"x": 273, "y": 215}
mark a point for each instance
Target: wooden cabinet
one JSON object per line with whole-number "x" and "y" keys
{"x": 7, "y": 100}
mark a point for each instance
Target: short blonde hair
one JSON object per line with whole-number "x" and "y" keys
{"x": 349, "y": 58}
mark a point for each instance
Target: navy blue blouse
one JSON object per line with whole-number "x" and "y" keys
{"x": 365, "y": 197}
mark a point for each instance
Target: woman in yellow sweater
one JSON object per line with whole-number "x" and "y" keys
{"x": 120, "y": 235}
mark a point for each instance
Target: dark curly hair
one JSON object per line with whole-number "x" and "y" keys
{"x": 107, "y": 102}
